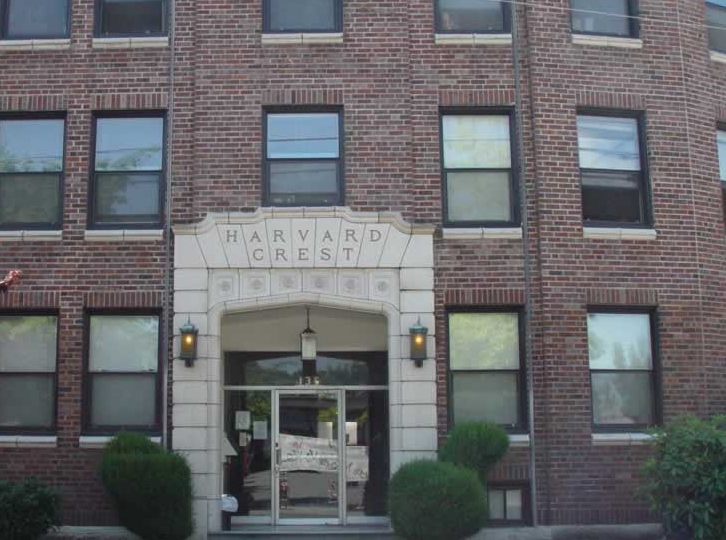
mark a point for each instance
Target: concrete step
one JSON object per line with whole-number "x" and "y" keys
{"x": 307, "y": 532}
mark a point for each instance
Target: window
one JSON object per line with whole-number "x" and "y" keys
{"x": 612, "y": 169}
{"x": 486, "y": 376}
{"x": 612, "y": 18}
{"x": 507, "y": 505}
{"x": 303, "y": 163}
{"x": 474, "y": 16}
{"x": 31, "y": 170}
{"x": 117, "y": 18}
{"x": 721, "y": 140}
{"x": 621, "y": 355}
{"x": 129, "y": 171}
{"x": 28, "y": 347}
{"x": 716, "y": 22}
{"x": 123, "y": 366}
{"x": 34, "y": 19}
{"x": 479, "y": 186}
{"x": 303, "y": 15}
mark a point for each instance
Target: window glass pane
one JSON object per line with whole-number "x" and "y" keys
{"x": 27, "y": 343}
{"x": 129, "y": 144}
{"x": 132, "y": 17}
{"x": 716, "y": 17}
{"x": 31, "y": 146}
{"x": 124, "y": 343}
{"x": 610, "y": 196}
{"x": 476, "y": 142}
{"x": 484, "y": 340}
{"x": 514, "y": 504}
{"x": 123, "y": 400}
{"x": 478, "y": 196}
{"x": 37, "y": 18}
{"x": 721, "y": 138}
{"x": 26, "y": 401}
{"x": 491, "y": 397}
{"x": 302, "y": 135}
{"x": 470, "y": 15}
{"x": 124, "y": 198}
{"x": 302, "y": 15}
{"x": 608, "y": 143}
{"x": 29, "y": 198}
{"x": 303, "y": 177}
{"x": 619, "y": 341}
{"x": 496, "y": 504}
{"x": 622, "y": 398}
{"x": 593, "y": 18}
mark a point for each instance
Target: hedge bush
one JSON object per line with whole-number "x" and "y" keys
{"x": 475, "y": 445}
{"x": 150, "y": 487}
{"x": 27, "y": 510}
{"x": 686, "y": 478}
{"x": 430, "y": 500}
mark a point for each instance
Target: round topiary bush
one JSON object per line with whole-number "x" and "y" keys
{"x": 475, "y": 445}
{"x": 430, "y": 500}
{"x": 27, "y": 510}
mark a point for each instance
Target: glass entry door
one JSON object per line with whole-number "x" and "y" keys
{"x": 308, "y": 456}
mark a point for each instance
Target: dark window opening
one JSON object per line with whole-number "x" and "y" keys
{"x": 131, "y": 18}
{"x": 475, "y": 16}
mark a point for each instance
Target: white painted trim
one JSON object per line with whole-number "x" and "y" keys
{"x": 620, "y": 439}
{"x": 123, "y": 235}
{"x": 519, "y": 440}
{"x": 31, "y": 236}
{"x": 28, "y": 441}
{"x": 477, "y": 233}
{"x": 131, "y": 42}
{"x": 35, "y": 44}
{"x": 719, "y": 57}
{"x": 302, "y": 38}
{"x": 619, "y": 233}
{"x": 607, "y": 41}
{"x": 99, "y": 441}
{"x": 473, "y": 39}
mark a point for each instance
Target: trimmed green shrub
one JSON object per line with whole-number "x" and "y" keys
{"x": 475, "y": 445}
{"x": 27, "y": 510}
{"x": 430, "y": 500}
{"x": 686, "y": 478}
{"x": 150, "y": 487}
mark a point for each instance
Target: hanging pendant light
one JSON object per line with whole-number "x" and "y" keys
{"x": 308, "y": 341}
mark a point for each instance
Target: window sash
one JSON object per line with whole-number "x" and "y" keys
{"x": 619, "y": 341}
{"x": 54, "y": 33}
{"x": 129, "y": 144}
{"x": 102, "y": 19}
{"x": 495, "y": 353}
{"x": 335, "y": 23}
{"x": 139, "y": 394}
{"x": 28, "y": 343}
{"x": 33, "y": 209}
{"x": 123, "y": 343}
{"x": 461, "y": 408}
{"x": 608, "y": 143}
{"x": 721, "y": 146}
{"x": 446, "y": 22}
{"x": 477, "y": 204}
{"x": 644, "y": 392}
{"x": 471, "y": 142}
{"x": 599, "y": 186}
{"x": 125, "y": 214}
{"x": 506, "y": 504}
{"x": 716, "y": 16}
{"x": 19, "y": 394}
{"x": 621, "y": 22}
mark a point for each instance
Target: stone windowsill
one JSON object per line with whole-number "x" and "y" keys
{"x": 718, "y": 57}
{"x": 35, "y": 44}
{"x": 618, "y": 233}
{"x": 28, "y": 441}
{"x": 473, "y": 39}
{"x": 131, "y": 42}
{"x": 31, "y": 236}
{"x": 123, "y": 235}
{"x": 620, "y": 439}
{"x": 99, "y": 441}
{"x": 519, "y": 440}
{"x": 304, "y": 38}
{"x": 607, "y": 41}
{"x": 479, "y": 233}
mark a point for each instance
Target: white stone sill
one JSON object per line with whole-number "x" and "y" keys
{"x": 35, "y": 44}
{"x": 304, "y": 38}
{"x": 28, "y": 441}
{"x": 718, "y": 57}
{"x": 519, "y": 440}
{"x": 607, "y": 41}
{"x": 473, "y": 39}
{"x": 99, "y": 441}
{"x": 620, "y": 439}
{"x": 123, "y": 235}
{"x": 31, "y": 236}
{"x": 618, "y": 233}
{"x": 130, "y": 42}
{"x": 479, "y": 233}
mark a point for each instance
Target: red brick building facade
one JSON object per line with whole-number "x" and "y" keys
{"x": 217, "y": 72}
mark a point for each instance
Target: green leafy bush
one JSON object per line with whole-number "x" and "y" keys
{"x": 430, "y": 500}
{"x": 150, "y": 487}
{"x": 27, "y": 510}
{"x": 686, "y": 478}
{"x": 475, "y": 445}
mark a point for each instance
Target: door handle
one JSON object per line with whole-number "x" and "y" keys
{"x": 278, "y": 455}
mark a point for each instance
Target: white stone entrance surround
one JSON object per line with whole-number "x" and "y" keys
{"x": 276, "y": 257}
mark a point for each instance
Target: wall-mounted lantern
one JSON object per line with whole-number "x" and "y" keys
{"x": 308, "y": 341}
{"x": 418, "y": 342}
{"x": 188, "y": 351}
